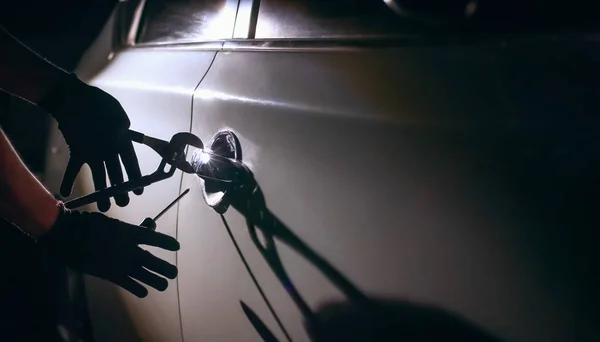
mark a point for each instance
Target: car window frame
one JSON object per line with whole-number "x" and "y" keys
{"x": 128, "y": 26}
{"x": 245, "y": 23}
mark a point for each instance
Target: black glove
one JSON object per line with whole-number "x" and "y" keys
{"x": 94, "y": 126}
{"x": 98, "y": 245}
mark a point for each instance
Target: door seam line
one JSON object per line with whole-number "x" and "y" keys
{"x": 181, "y": 186}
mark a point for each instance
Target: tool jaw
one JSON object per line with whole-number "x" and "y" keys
{"x": 220, "y": 167}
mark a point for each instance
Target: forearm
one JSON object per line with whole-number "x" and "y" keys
{"x": 23, "y": 199}
{"x": 23, "y": 72}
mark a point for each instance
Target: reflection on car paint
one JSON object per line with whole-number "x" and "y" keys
{"x": 185, "y": 21}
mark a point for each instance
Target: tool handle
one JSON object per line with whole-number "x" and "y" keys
{"x": 109, "y": 192}
{"x": 148, "y": 223}
{"x": 171, "y": 204}
{"x": 163, "y": 148}
{"x": 136, "y": 136}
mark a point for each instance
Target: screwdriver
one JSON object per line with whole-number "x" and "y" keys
{"x": 150, "y": 223}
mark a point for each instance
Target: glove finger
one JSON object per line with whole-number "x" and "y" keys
{"x": 99, "y": 177}
{"x": 71, "y": 172}
{"x": 132, "y": 166}
{"x": 132, "y": 286}
{"x": 145, "y": 236}
{"x": 115, "y": 174}
{"x": 150, "y": 279}
{"x": 157, "y": 265}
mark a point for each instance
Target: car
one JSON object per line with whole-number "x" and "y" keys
{"x": 399, "y": 154}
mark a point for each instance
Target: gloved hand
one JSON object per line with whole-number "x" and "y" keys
{"x": 98, "y": 245}
{"x": 94, "y": 126}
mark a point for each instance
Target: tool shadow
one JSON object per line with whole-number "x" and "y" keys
{"x": 359, "y": 317}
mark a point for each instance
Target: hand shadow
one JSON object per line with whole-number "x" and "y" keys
{"x": 392, "y": 320}
{"x": 360, "y": 318}
{"x": 383, "y": 320}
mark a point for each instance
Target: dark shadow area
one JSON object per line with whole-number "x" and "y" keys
{"x": 258, "y": 324}
{"x": 27, "y": 290}
{"x": 27, "y": 127}
{"x": 60, "y": 31}
{"x": 393, "y": 320}
{"x": 41, "y": 301}
{"x": 111, "y": 319}
{"x": 360, "y": 318}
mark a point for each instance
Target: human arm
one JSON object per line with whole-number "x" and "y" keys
{"x": 23, "y": 199}
{"x": 93, "y": 123}
{"x": 91, "y": 243}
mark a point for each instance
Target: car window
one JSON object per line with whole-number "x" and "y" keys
{"x": 326, "y": 19}
{"x": 180, "y": 21}
{"x": 383, "y": 18}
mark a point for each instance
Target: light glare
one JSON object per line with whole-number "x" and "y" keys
{"x": 204, "y": 157}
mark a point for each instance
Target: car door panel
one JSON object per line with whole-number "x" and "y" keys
{"x": 421, "y": 171}
{"x": 384, "y": 161}
{"x": 155, "y": 87}
{"x": 212, "y": 279}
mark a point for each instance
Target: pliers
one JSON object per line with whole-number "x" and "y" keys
{"x": 172, "y": 153}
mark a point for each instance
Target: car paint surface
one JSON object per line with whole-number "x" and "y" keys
{"x": 156, "y": 91}
{"x": 414, "y": 170}
{"x": 386, "y": 162}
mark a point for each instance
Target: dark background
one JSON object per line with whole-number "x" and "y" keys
{"x": 60, "y": 31}
{"x": 34, "y": 296}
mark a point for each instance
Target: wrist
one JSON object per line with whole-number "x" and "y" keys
{"x": 23, "y": 199}
{"x": 44, "y": 218}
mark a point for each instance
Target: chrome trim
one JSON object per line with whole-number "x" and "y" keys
{"x": 135, "y": 23}
{"x": 311, "y": 44}
{"x": 254, "y": 12}
{"x": 214, "y": 45}
{"x": 126, "y": 24}
{"x": 242, "y": 19}
{"x": 360, "y": 44}
{"x": 355, "y": 44}
{"x": 414, "y": 40}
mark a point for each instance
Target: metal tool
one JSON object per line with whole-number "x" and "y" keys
{"x": 172, "y": 153}
{"x": 150, "y": 223}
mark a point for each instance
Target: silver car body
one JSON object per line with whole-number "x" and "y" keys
{"x": 391, "y": 160}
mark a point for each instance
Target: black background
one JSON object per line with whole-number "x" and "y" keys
{"x": 32, "y": 291}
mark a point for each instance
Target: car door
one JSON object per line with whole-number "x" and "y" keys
{"x": 422, "y": 169}
{"x": 135, "y": 61}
